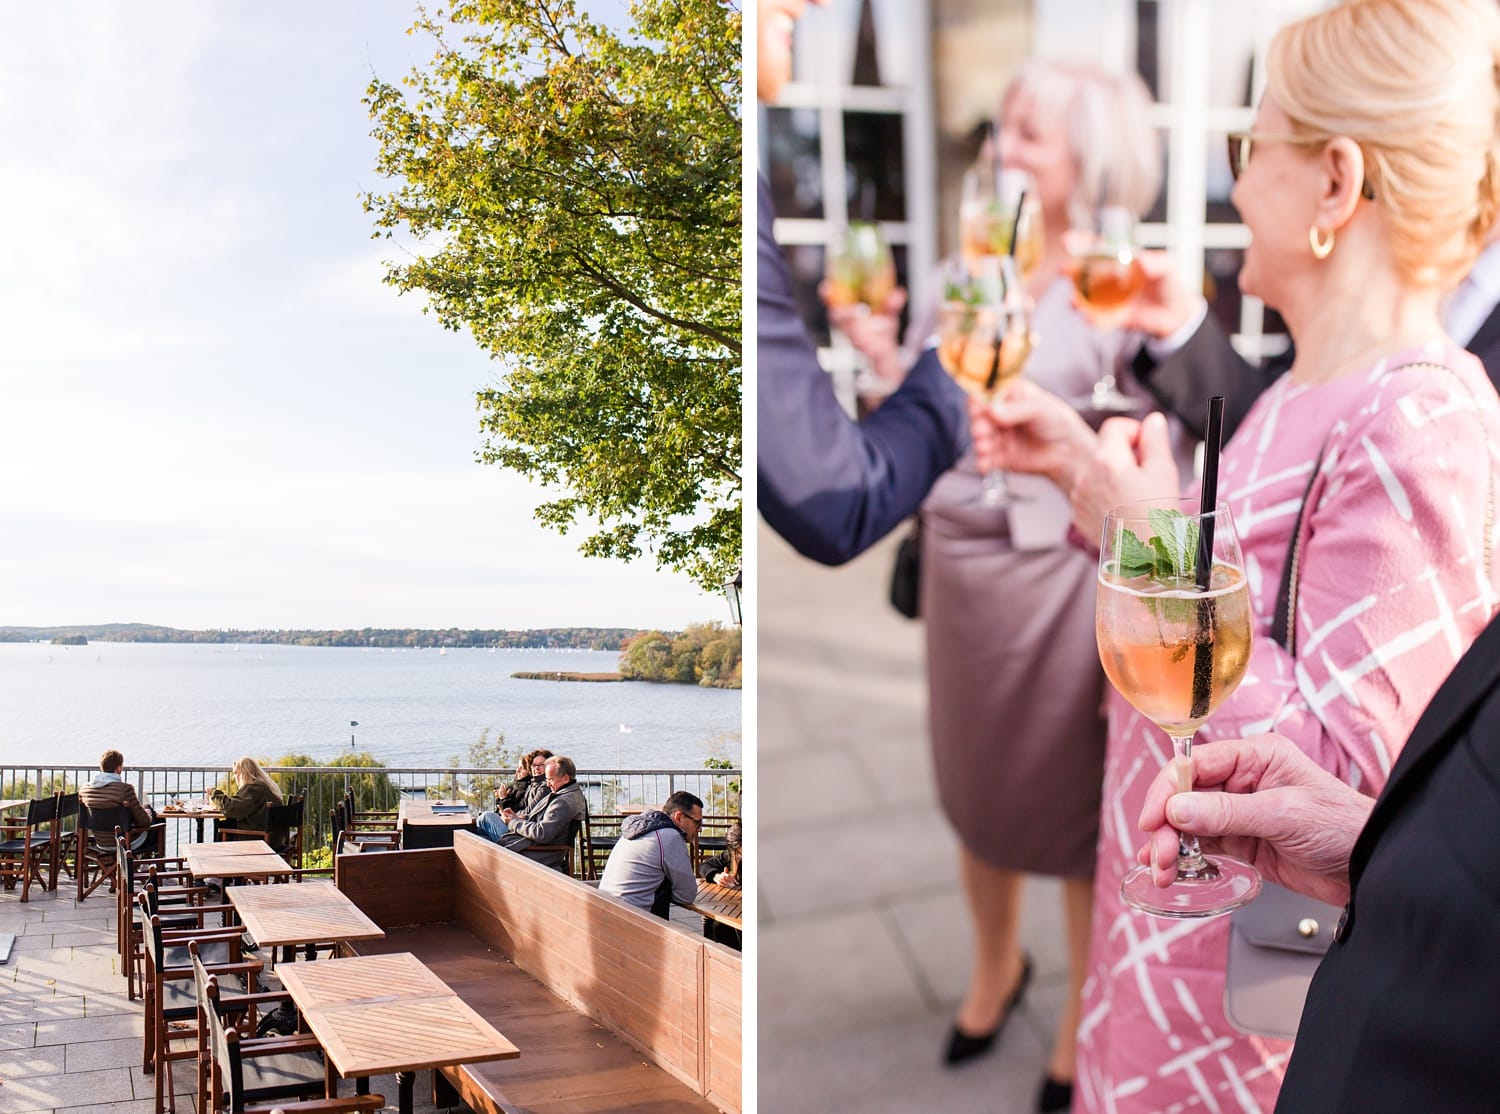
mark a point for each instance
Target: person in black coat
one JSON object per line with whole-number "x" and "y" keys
{"x": 1404, "y": 1011}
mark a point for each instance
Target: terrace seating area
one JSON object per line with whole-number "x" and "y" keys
{"x": 99, "y": 988}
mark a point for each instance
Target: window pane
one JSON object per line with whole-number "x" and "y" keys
{"x": 875, "y": 166}
{"x": 1219, "y": 181}
{"x": 796, "y": 174}
{"x": 1221, "y": 269}
{"x": 805, "y": 261}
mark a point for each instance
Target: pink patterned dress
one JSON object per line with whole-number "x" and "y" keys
{"x": 1395, "y": 580}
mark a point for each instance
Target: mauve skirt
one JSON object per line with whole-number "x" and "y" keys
{"x": 1015, "y": 688}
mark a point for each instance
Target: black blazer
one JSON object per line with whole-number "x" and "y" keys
{"x": 831, "y": 486}
{"x": 1404, "y": 1013}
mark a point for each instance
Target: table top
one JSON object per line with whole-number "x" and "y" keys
{"x": 300, "y": 913}
{"x": 234, "y": 858}
{"x": 719, "y": 903}
{"x": 420, "y": 810}
{"x": 6, "y": 806}
{"x": 383, "y": 1013}
{"x": 194, "y": 810}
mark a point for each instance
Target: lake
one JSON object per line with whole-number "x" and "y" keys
{"x": 208, "y": 704}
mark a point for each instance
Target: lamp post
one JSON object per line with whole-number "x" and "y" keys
{"x": 732, "y": 594}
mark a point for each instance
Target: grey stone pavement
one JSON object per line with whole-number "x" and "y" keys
{"x": 70, "y": 1039}
{"x": 864, "y": 940}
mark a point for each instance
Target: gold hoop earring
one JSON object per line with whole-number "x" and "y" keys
{"x": 1321, "y": 248}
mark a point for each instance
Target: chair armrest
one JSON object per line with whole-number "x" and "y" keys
{"x": 277, "y": 1046}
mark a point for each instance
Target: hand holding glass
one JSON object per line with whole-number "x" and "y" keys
{"x": 1106, "y": 276}
{"x": 1176, "y": 649}
{"x": 985, "y": 339}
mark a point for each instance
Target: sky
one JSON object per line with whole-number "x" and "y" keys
{"x": 213, "y": 413}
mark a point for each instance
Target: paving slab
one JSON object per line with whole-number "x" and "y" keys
{"x": 51, "y": 1092}
{"x": 863, "y": 932}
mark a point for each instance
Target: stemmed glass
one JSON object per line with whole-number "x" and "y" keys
{"x": 860, "y": 271}
{"x": 999, "y": 203}
{"x": 1106, "y": 276}
{"x": 860, "y": 268}
{"x": 985, "y": 339}
{"x": 1175, "y": 644}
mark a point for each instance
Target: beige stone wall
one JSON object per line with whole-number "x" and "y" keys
{"x": 976, "y": 45}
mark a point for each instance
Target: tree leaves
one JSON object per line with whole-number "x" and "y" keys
{"x": 578, "y": 191}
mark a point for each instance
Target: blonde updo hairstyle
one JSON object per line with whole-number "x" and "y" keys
{"x": 1413, "y": 82}
{"x": 1107, "y": 117}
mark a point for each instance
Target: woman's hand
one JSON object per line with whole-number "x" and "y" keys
{"x": 1265, "y": 801}
{"x": 1028, "y": 429}
{"x": 874, "y": 333}
{"x": 1164, "y": 304}
{"x": 1131, "y": 460}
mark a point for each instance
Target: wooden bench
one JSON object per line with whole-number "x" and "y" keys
{"x": 582, "y": 984}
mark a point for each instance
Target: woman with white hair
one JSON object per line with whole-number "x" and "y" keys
{"x": 1016, "y": 689}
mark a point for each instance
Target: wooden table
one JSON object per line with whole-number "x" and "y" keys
{"x": 6, "y": 806}
{"x": 718, "y": 903}
{"x": 381, "y": 1013}
{"x": 234, "y": 858}
{"x": 425, "y": 823}
{"x": 194, "y": 810}
{"x": 300, "y": 913}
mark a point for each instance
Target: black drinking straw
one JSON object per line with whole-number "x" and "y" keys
{"x": 1015, "y": 233}
{"x": 1203, "y": 655}
{"x": 1210, "y": 494}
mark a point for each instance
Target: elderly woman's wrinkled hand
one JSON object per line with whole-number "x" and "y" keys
{"x": 1264, "y": 801}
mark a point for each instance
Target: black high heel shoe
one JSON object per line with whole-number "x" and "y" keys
{"x": 1055, "y": 1096}
{"x": 963, "y": 1047}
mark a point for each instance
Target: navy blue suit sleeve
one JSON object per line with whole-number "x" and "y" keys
{"x": 830, "y": 486}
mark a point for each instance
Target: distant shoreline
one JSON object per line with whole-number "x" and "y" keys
{"x": 559, "y": 675}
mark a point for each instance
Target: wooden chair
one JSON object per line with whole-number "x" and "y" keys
{"x": 171, "y": 892}
{"x": 64, "y": 837}
{"x": 286, "y": 817}
{"x": 94, "y": 846}
{"x": 603, "y": 834}
{"x": 241, "y": 1074}
{"x": 711, "y": 837}
{"x": 171, "y": 1003}
{"x": 577, "y": 837}
{"x": 363, "y": 835}
{"x": 29, "y": 849}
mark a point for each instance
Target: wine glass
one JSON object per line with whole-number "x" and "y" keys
{"x": 1175, "y": 645}
{"x": 1106, "y": 277}
{"x": 984, "y": 339}
{"x": 861, "y": 271}
{"x": 860, "y": 268}
{"x": 1000, "y": 204}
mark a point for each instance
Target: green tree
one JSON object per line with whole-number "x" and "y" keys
{"x": 576, "y": 195}
{"x": 484, "y": 755}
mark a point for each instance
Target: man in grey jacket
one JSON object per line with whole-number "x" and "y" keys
{"x": 548, "y": 821}
{"x": 649, "y": 866}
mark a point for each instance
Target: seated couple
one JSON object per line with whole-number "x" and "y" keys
{"x": 547, "y": 821}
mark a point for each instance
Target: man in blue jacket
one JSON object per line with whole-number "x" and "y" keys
{"x": 828, "y": 485}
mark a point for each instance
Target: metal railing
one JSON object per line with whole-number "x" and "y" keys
{"x": 381, "y": 787}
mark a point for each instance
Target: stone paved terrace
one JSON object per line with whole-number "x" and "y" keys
{"x": 70, "y": 1039}
{"x": 864, "y": 939}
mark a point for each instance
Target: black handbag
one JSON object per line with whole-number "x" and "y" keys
{"x": 906, "y": 572}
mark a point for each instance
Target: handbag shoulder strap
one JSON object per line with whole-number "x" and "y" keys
{"x": 1283, "y": 626}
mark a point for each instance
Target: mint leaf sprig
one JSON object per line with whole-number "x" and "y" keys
{"x": 1172, "y": 555}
